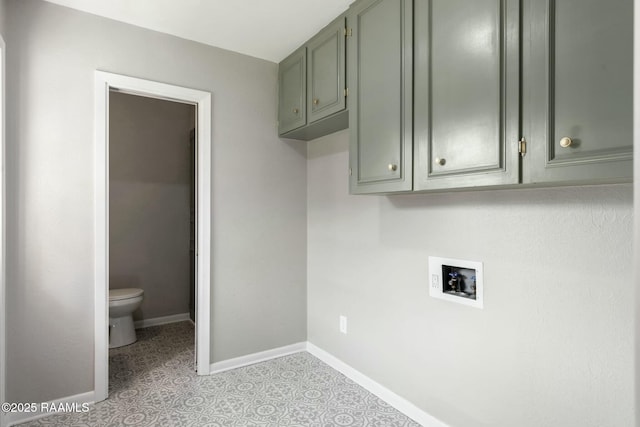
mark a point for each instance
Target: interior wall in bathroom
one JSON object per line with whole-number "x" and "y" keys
{"x": 2, "y": 17}
{"x": 149, "y": 201}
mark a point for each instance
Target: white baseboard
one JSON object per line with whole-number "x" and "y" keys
{"x": 398, "y": 402}
{"x": 145, "y": 323}
{"x": 76, "y": 401}
{"x": 262, "y": 356}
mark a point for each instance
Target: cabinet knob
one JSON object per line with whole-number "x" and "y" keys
{"x": 440, "y": 161}
{"x": 393, "y": 167}
{"x": 566, "y": 142}
{"x": 316, "y": 101}
{"x": 295, "y": 111}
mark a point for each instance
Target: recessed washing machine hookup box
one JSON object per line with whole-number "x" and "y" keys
{"x": 456, "y": 280}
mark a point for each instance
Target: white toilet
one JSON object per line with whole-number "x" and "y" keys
{"x": 122, "y": 304}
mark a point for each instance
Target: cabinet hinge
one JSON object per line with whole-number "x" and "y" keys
{"x": 346, "y": 92}
{"x": 348, "y": 32}
{"x": 350, "y": 172}
{"x": 522, "y": 146}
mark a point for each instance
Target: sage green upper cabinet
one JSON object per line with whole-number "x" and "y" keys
{"x": 466, "y": 93}
{"x": 313, "y": 87}
{"x": 326, "y": 72}
{"x": 292, "y": 92}
{"x": 578, "y": 91}
{"x": 379, "y": 71}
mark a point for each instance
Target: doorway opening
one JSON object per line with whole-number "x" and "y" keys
{"x": 152, "y": 213}
{"x": 121, "y": 87}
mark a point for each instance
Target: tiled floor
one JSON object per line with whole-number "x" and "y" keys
{"x": 153, "y": 383}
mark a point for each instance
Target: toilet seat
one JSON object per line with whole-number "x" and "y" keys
{"x": 125, "y": 293}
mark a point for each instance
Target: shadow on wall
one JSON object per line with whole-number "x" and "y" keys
{"x": 484, "y": 220}
{"x": 611, "y": 195}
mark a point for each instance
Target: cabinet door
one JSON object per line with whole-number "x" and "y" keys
{"x": 578, "y": 90}
{"x": 326, "y": 72}
{"x": 292, "y": 90}
{"x": 467, "y": 101}
{"x": 380, "y": 92}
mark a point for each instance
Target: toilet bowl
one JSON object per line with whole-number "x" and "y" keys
{"x": 122, "y": 304}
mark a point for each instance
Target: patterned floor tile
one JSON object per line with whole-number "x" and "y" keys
{"x": 153, "y": 383}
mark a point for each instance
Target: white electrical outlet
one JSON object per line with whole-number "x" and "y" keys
{"x": 435, "y": 281}
{"x": 343, "y": 324}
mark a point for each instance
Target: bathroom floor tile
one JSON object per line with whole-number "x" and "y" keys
{"x": 153, "y": 383}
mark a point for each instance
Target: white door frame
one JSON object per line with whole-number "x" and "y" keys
{"x": 3, "y": 236}
{"x": 103, "y": 83}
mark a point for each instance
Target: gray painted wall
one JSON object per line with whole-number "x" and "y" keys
{"x": 259, "y": 187}
{"x": 636, "y": 187}
{"x": 3, "y": 14}
{"x": 150, "y": 201}
{"x": 554, "y": 343}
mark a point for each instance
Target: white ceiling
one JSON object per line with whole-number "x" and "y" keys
{"x": 267, "y": 29}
